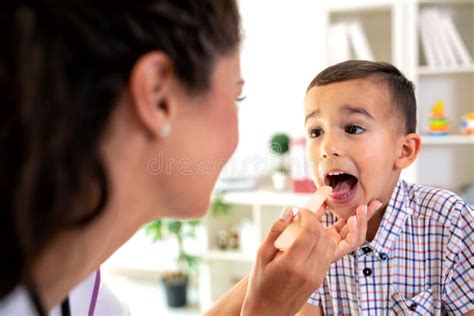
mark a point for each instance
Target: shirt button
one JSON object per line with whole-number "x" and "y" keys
{"x": 366, "y": 249}
{"x": 413, "y": 307}
{"x": 367, "y": 271}
{"x": 383, "y": 256}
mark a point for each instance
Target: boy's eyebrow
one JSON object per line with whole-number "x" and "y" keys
{"x": 350, "y": 109}
{"x": 314, "y": 113}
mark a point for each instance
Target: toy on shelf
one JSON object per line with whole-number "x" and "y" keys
{"x": 300, "y": 170}
{"x": 438, "y": 123}
{"x": 467, "y": 124}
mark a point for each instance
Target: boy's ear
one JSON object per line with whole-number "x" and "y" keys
{"x": 410, "y": 146}
{"x": 150, "y": 88}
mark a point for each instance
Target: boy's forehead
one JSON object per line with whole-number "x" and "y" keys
{"x": 360, "y": 93}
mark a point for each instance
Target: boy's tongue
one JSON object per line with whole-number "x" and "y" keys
{"x": 344, "y": 186}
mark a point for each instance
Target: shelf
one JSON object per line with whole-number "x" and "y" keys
{"x": 447, "y": 140}
{"x": 445, "y": 70}
{"x": 227, "y": 255}
{"x": 266, "y": 198}
{"x": 444, "y": 3}
{"x": 342, "y": 6}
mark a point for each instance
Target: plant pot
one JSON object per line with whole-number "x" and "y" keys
{"x": 280, "y": 180}
{"x": 176, "y": 292}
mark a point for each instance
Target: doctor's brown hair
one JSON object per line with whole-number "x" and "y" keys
{"x": 63, "y": 65}
{"x": 402, "y": 90}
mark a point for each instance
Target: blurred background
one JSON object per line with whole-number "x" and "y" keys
{"x": 286, "y": 43}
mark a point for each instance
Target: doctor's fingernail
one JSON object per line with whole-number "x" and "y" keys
{"x": 286, "y": 213}
{"x": 295, "y": 211}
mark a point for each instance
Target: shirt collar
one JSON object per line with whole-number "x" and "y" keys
{"x": 393, "y": 221}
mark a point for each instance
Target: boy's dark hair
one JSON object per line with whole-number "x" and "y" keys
{"x": 401, "y": 89}
{"x": 63, "y": 65}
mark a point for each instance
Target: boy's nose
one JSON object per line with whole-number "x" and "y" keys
{"x": 326, "y": 155}
{"x": 330, "y": 147}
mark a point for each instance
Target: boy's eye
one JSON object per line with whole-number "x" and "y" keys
{"x": 354, "y": 129}
{"x": 315, "y": 132}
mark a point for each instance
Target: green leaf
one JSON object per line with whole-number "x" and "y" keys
{"x": 167, "y": 228}
{"x": 155, "y": 230}
{"x": 218, "y": 207}
{"x": 174, "y": 227}
{"x": 282, "y": 168}
{"x": 189, "y": 262}
{"x": 279, "y": 144}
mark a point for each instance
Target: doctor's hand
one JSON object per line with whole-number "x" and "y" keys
{"x": 281, "y": 282}
{"x": 351, "y": 233}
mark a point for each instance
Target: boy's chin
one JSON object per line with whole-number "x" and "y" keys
{"x": 346, "y": 210}
{"x": 343, "y": 212}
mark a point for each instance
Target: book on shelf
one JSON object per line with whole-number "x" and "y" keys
{"x": 338, "y": 44}
{"x": 347, "y": 40}
{"x": 427, "y": 42}
{"x": 442, "y": 45}
{"x": 456, "y": 40}
{"x": 446, "y": 39}
{"x": 360, "y": 44}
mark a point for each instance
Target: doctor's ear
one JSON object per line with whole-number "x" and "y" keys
{"x": 410, "y": 146}
{"x": 151, "y": 92}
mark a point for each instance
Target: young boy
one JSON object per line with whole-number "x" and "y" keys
{"x": 360, "y": 119}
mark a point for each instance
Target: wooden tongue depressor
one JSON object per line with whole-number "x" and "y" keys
{"x": 286, "y": 239}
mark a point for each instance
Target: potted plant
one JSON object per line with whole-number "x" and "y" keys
{"x": 176, "y": 282}
{"x": 279, "y": 146}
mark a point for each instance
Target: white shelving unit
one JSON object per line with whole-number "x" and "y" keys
{"x": 435, "y": 71}
{"x": 448, "y": 140}
{"x": 345, "y": 6}
{"x": 223, "y": 268}
{"x": 445, "y": 161}
{"x": 392, "y": 31}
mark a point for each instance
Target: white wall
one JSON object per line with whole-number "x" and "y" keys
{"x": 282, "y": 51}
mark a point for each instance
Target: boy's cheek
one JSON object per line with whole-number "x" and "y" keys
{"x": 313, "y": 154}
{"x": 313, "y": 165}
{"x": 311, "y": 151}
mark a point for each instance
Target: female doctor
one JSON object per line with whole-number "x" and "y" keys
{"x": 92, "y": 95}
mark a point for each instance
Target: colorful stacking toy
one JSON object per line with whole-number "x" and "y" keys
{"x": 438, "y": 123}
{"x": 467, "y": 124}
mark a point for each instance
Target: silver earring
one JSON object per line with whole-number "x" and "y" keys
{"x": 165, "y": 129}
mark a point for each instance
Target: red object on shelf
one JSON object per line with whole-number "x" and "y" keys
{"x": 300, "y": 170}
{"x": 303, "y": 186}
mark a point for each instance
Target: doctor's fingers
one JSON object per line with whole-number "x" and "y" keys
{"x": 321, "y": 257}
{"x": 310, "y": 230}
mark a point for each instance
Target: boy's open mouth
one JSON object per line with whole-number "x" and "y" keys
{"x": 342, "y": 184}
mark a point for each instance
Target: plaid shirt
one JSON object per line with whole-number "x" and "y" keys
{"x": 421, "y": 260}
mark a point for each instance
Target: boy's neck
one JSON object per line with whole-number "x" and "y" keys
{"x": 374, "y": 224}
{"x": 376, "y": 219}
